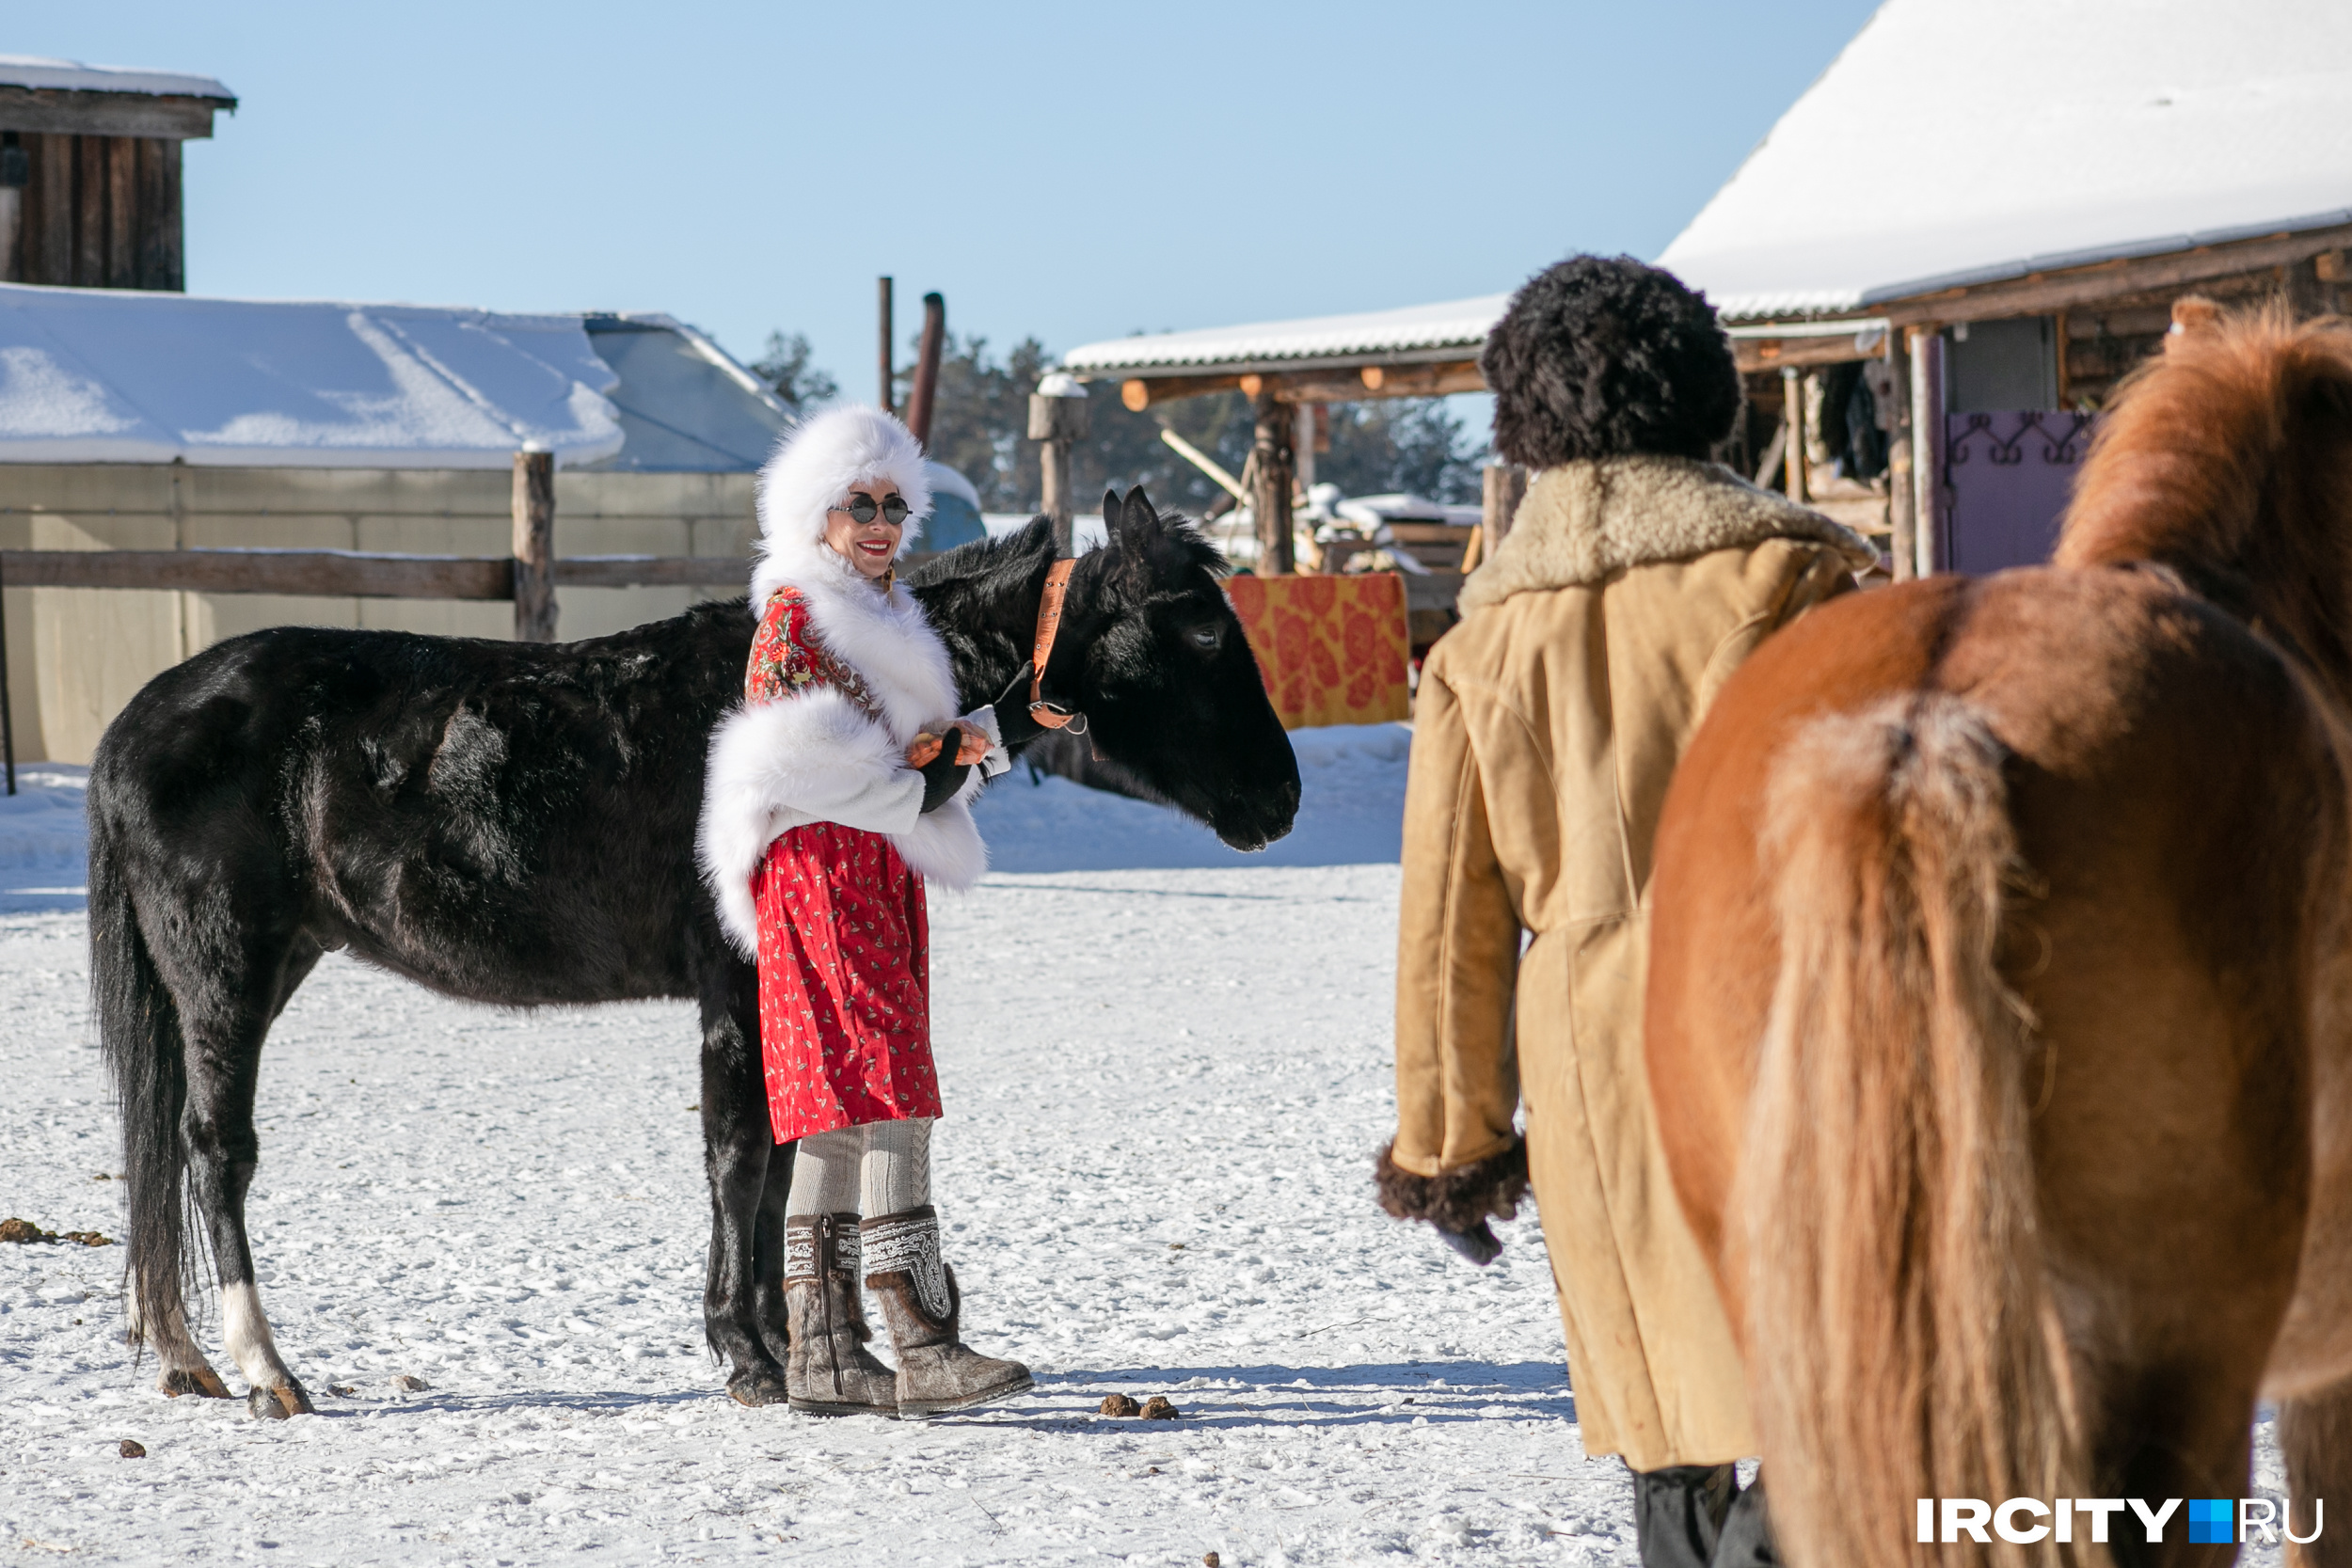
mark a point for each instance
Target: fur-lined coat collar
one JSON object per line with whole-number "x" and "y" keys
{"x": 1583, "y": 522}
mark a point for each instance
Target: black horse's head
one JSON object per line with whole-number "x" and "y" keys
{"x": 1172, "y": 692}
{"x": 1149, "y": 650}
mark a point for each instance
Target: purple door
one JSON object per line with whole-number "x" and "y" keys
{"x": 2007, "y": 476}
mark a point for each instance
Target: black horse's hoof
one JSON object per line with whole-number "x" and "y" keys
{"x": 200, "y": 1381}
{"x": 275, "y": 1405}
{"x": 757, "y": 1387}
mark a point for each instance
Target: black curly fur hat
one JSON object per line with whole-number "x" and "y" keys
{"x": 1600, "y": 358}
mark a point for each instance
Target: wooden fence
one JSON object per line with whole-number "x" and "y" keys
{"x": 528, "y": 577}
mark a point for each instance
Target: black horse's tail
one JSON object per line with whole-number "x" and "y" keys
{"x": 138, "y": 1032}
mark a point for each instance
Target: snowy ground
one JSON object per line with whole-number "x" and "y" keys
{"x": 1165, "y": 1068}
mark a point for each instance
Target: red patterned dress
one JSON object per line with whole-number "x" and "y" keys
{"x": 844, "y": 940}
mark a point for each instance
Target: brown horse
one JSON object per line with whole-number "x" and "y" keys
{"x": 1997, "y": 1020}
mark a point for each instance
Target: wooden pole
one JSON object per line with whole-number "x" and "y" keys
{"x": 1792, "y": 419}
{"x": 534, "y": 546}
{"x": 927, "y": 368}
{"x": 1929, "y": 519}
{"x": 889, "y": 372}
{"x": 1902, "y": 502}
{"x": 1270, "y": 498}
{"x": 1059, "y": 422}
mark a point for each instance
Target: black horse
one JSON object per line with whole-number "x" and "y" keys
{"x": 514, "y": 824}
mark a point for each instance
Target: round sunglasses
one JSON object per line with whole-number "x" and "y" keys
{"x": 862, "y": 508}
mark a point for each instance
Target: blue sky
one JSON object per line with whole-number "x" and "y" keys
{"x": 1068, "y": 171}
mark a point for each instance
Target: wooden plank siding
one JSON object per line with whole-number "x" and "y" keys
{"x": 99, "y": 213}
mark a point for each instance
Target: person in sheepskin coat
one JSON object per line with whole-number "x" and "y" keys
{"x": 1636, "y": 578}
{"x": 834, "y": 792}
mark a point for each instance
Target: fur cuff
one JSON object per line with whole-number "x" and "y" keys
{"x": 1458, "y": 1200}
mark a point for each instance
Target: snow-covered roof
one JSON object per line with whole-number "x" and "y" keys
{"x": 41, "y": 72}
{"x": 1455, "y": 329}
{"x": 104, "y": 375}
{"x": 1965, "y": 141}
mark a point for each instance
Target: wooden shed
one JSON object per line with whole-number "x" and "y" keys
{"x": 90, "y": 171}
{"x": 1981, "y": 215}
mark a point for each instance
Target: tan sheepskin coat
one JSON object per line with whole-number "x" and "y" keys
{"x": 1547, "y": 725}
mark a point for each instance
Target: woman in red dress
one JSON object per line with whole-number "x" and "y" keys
{"x": 837, "y": 788}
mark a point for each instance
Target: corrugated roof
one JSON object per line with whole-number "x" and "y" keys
{"x": 39, "y": 71}
{"x": 1455, "y": 329}
{"x": 1965, "y": 141}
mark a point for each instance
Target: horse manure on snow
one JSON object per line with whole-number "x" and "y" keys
{"x": 25, "y": 1232}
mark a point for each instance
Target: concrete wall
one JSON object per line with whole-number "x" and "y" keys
{"x": 75, "y": 656}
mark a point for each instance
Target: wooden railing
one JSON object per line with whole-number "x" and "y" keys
{"x": 352, "y": 574}
{"x": 528, "y": 578}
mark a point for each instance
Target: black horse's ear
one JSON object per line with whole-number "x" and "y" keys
{"x": 1139, "y": 509}
{"x": 1110, "y": 512}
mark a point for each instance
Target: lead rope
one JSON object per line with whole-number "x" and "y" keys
{"x": 1053, "y": 716}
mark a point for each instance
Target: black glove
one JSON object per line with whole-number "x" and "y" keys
{"x": 1477, "y": 1244}
{"x": 1013, "y": 724}
{"x": 944, "y": 775}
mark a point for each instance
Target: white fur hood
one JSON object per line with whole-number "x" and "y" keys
{"x": 811, "y": 472}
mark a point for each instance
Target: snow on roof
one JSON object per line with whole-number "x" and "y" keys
{"x": 1961, "y": 141}
{"x": 41, "y": 72}
{"x": 102, "y": 375}
{"x": 1419, "y": 331}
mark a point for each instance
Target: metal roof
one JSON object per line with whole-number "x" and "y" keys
{"x": 1969, "y": 141}
{"x": 684, "y": 404}
{"x": 1420, "y": 333}
{"x": 41, "y": 72}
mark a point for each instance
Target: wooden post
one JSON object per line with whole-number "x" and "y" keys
{"x": 16, "y": 172}
{"x": 889, "y": 370}
{"x": 534, "y": 546}
{"x": 1270, "y": 498}
{"x": 7, "y": 719}
{"x": 1501, "y": 487}
{"x": 926, "y": 390}
{"x": 1902, "y": 502}
{"x": 1929, "y": 518}
{"x": 1057, "y": 416}
{"x": 1792, "y": 418}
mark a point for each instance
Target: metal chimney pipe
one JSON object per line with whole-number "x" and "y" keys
{"x": 927, "y": 368}
{"x": 888, "y": 369}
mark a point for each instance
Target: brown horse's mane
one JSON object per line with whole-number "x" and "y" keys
{"x": 2229, "y": 459}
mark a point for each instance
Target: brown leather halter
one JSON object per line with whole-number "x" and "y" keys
{"x": 1053, "y": 714}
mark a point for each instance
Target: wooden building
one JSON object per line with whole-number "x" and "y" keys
{"x": 1982, "y": 213}
{"x": 90, "y": 171}
{"x": 1287, "y": 368}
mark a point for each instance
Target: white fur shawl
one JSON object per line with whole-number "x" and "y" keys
{"x": 817, "y": 756}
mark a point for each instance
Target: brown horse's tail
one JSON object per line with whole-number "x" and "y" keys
{"x": 1904, "y": 1345}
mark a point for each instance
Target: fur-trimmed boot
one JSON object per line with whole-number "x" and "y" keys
{"x": 828, "y": 1369}
{"x": 937, "y": 1370}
